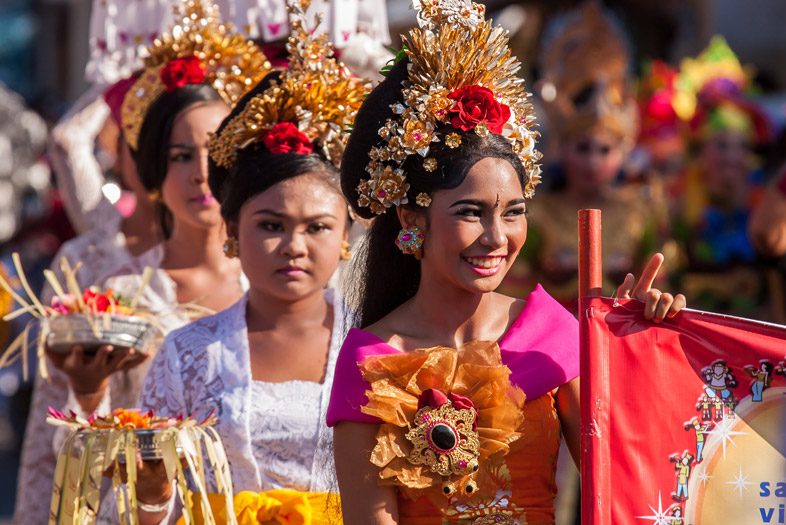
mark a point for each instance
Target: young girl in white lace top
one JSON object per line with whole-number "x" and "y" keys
{"x": 266, "y": 363}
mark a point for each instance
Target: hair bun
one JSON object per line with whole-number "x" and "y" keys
{"x": 371, "y": 116}
{"x": 217, "y": 175}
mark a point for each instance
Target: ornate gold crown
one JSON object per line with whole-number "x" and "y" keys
{"x": 586, "y": 75}
{"x": 314, "y": 101}
{"x": 228, "y": 61}
{"x": 461, "y": 77}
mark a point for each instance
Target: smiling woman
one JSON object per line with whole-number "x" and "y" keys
{"x": 451, "y": 396}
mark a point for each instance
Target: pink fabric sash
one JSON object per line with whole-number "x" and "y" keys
{"x": 541, "y": 348}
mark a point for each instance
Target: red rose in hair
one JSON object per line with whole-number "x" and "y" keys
{"x": 475, "y": 105}
{"x": 284, "y": 137}
{"x": 182, "y": 71}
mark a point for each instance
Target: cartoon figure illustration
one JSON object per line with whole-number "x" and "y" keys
{"x": 683, "y": 464}
{"x": 674, "y": 513}
{"x": 719, "y": 380}
{"x": 701, "y": 434}
{"x": 703, "y": 404}
{"x": 781, "y": 368}
{"x": 762, "y": 377}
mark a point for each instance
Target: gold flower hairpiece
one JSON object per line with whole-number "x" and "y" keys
{"x": 461, "y": 77}
{"x": 198, "y": 49}
{"x": 314, "y": 101}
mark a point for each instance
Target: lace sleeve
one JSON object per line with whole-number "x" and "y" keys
{"x": 37, "y": 468}
{"x": 80, "y": 177}
{"x": 163, "y": 388}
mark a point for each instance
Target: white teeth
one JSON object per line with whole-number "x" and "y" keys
{"x": 485, "y": 262}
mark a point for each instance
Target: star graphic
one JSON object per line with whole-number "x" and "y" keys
{"x": 659, "y": 516}
{"x": 703, "y": 477}
{"x": 740, "y": 482}
{"x": 724, "y": 431}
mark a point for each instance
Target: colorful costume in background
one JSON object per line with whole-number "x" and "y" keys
{"x": 720, "y": 273}
{"x": 510, "y": 385}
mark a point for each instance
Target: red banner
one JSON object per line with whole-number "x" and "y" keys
{"x": 684, "y": 422}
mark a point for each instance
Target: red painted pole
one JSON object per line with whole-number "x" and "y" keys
{"x": 595, "y": 453}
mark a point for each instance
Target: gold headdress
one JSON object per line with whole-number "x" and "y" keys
{"x": 461, "y": 77}
{"x": 314, "y": 101}
{"x": 199, "y": 49}
{"x": 585, "y": 75}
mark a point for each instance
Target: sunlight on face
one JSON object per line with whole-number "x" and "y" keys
{"x": 185, "y": 191}
{"x": 475, "y": 231}
{"x": 290, "y": 237}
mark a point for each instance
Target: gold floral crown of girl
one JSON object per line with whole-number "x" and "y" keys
{"x": 313, "y": 102}
{"x": 462, "y": 76}
{"x": 198, "y": 49}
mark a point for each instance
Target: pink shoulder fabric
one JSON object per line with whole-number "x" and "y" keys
{"x": 541, "y": 348}
{"x": 349, "y": 388}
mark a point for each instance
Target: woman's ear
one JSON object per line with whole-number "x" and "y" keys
{"x": 410, "y": 217}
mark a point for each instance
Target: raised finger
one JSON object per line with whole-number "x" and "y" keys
{"x": 679, "y": 303}
{"x": 126, "y": 357}
{"x": 623, "y": 290}
{"x": 648, "y": 276}
{"x": 664, "y": 304}
{"x": 75, "y": 359}
{"x": 651, "y": 298}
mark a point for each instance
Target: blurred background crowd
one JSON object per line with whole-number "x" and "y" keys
{"x": 669, "y": 116}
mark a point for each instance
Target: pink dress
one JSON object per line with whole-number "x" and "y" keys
{"x": 541, "y": 349}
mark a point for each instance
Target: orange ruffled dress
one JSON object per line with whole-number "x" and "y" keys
{"x": 518, "y": 440}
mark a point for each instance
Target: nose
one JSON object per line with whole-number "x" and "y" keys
{"x": 293, "y": 246}
{"x": 493, "y": 233}
{"x": 199, "y": 175}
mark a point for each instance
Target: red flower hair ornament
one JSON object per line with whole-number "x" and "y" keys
{"x": 180, "y": 72}
{"x": 285, "y": 137}
{"x": 476, "y": 105}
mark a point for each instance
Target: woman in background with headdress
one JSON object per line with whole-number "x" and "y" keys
{"x": 593, "y": 128}
{"x": 450, "y": 400}
{"x": 266, "y": 363}
{"x": 722, "y": 183}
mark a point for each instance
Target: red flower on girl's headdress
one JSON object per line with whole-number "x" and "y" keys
{"x": 284, "y": 137}
{"x": 180, "y": 72}
{"x": 477, "y": 105}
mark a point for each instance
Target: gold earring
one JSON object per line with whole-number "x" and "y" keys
{"x": 346, "y": 251}
{"x": 231, "y": 247}
{"x": 154, "y": 195}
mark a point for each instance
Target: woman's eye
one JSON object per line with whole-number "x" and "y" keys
{"x": 468, "y": 212}
{"x": 271, "y": 226}
{"x": 316, "y": 228}
{"x": 180, "y": 157}
{"x": 515, "y": 212}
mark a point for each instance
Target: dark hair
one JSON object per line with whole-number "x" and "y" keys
{"x": 256, "y": 169}
{"x": 152, "y": 152}
{"x": 383, "y": 277}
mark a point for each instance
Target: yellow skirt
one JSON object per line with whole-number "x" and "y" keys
{"x": 274, "y": 507}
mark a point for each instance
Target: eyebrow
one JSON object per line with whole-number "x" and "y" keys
{"x": 478, "y": 203}
{"x": 182, "y": 146}
{"x": 280, "y": 215}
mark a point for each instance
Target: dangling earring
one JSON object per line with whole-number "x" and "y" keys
{"x": 231, "y": 247}
{"x": 346, "y": 252}
{"x": 410, "y": 241}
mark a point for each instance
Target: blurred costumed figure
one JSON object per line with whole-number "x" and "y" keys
{"x": 721, "y": 184}
{"x": 662, "y": 146}
{"x": 585, "y": 91}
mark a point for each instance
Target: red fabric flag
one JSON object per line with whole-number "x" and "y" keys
{"x": 684, "y": 422}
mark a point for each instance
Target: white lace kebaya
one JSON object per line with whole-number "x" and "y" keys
{"x": 274, "y": 434}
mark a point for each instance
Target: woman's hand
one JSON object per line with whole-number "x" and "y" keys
{"x": 152, "y": 488}
{"x": 657, "y": 305}
{"x": 89, "y": 374}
